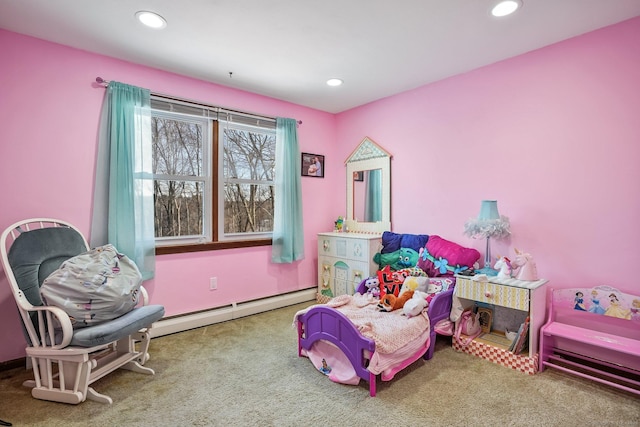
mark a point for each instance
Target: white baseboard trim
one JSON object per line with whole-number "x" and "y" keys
{"x": 229, "y": 312}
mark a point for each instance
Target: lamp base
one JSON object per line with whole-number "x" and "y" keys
{"x": 488, "y": 271}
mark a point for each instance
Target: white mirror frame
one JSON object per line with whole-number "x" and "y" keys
{"x": 368, "y": 156}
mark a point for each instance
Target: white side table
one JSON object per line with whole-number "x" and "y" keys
{"x": 512, "y": 301}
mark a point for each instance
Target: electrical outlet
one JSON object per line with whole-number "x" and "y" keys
{"x": 213, "y": 283}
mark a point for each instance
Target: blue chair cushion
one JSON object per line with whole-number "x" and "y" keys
{"x": 118, "y": 328}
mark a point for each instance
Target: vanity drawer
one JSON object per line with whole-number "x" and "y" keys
{"x": 493, "y": 293}
{"x": 359, "y": 249}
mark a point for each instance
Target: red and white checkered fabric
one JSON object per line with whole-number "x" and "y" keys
{"x": 528, "y": 365}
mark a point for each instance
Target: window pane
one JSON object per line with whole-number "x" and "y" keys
{"x": 177, "y": 147}
{"x": 249, "y": 154}
{"x": 178, "y": 208}
{"x": 248, "y": 208}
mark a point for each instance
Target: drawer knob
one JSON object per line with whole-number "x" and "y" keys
{"x": 487, "y": 294}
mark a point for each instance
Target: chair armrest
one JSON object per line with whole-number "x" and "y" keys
{"x": 145, "y": 295}
{"x": 54, "y": 316}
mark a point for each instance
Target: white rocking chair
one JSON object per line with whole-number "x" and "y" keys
{"x": 65, "y": 361}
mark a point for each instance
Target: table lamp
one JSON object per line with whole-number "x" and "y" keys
{"x": 489, "y": 223}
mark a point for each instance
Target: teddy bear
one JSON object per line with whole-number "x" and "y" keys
{"x": 390, "y": 302}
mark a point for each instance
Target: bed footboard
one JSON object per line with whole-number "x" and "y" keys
{"x": 325, "y": 323}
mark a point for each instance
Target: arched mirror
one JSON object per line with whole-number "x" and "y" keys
{"x": 369, "y": 188}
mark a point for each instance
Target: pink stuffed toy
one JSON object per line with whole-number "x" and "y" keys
{"x": 527, "y": 269}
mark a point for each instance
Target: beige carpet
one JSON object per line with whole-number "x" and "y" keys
{"x": 246, "y": 372}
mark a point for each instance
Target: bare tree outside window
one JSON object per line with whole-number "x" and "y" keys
{"x": 177, "y": 160}
{"x": 196, "y": 158}
{"x": 249, "y": 171}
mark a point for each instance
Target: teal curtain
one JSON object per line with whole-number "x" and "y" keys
{"x": 373, "y": 198}
{"x": 123, "y": 212}
{"x": 288, "y": 239}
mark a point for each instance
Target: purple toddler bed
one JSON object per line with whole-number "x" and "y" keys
{"x": 326, "y": 323}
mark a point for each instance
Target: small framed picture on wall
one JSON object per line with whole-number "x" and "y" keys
{"x": 358, "y": 176}
{"x": 312, "y": 165}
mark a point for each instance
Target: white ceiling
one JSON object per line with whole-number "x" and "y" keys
{"x": 287, "y": 49}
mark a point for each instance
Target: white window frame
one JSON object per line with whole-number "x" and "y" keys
{"x": 205, "y": 178}
{"x": 222, "y": 236}
{"x": 206, "y": 116}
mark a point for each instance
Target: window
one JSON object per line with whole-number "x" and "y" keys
{"x": 181, "y": 176}
{"x": 248, "y": 179}
{"x": 213, "y": 177}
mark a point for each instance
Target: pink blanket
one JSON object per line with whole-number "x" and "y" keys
{"x": 390, "y": 331}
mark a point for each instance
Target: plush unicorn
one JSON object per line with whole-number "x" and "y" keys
{"x": 503, "y": 265}
{"x": 526, "y": 266}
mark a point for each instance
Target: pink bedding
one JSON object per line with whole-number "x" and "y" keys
{"x": 399, "y": 340}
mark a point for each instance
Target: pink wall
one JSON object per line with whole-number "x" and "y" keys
{"x": 50, "y": 111}
{"x": 553, "y": 135}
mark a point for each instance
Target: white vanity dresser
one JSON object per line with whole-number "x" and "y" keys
{"x": 346, "y": 258}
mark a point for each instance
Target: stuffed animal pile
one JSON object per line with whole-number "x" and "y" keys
{"x": 405, "y": 263}
{"x": 398, "y": 290}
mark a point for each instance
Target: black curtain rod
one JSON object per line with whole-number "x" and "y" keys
{"x": 105, "y": 83}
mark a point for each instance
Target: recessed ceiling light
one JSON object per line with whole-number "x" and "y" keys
{"x": 334, "y": 82}
{"x": 151, "y": 19}
{"x": 506, "y": 7}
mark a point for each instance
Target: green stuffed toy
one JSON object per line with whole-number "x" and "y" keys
{"x": 398, "y": 260}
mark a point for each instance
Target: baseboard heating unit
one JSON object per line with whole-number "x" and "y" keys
{"x": 185, "y": 322}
